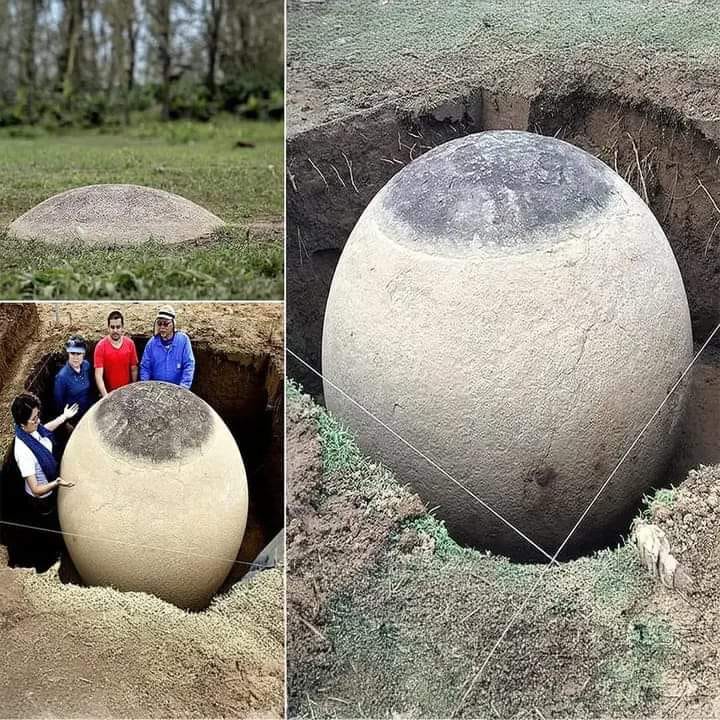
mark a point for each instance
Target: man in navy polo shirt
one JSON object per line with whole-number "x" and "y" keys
{"x": 168, "y": 355}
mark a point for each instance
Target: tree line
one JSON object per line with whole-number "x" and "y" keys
{"x": 69, "y": 61}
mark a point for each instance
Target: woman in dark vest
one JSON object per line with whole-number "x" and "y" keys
{"x": 33, "y": 451}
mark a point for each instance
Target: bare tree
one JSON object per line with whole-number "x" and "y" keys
{"x": 160, "y": 21}
{"x": 69, "y": 62}
{"x": 213, "y": 13}
{"x": 28, "y": 21}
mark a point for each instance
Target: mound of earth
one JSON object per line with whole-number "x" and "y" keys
{"x": 103, "y": 653}
{"x": 689, "y": 515}
{"x": 115, "y": 215}
{"x": 388, "y": 616}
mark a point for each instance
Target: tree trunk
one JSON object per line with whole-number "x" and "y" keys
{"x": 160, "y": 11}
{"x": 213, "y": 20}
{"x": 29, "y": 19}
{"x": 74, "y": 11}
{"x": 89, "y": 59}
{"x": 131, "y": 31}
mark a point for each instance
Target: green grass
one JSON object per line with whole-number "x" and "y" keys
{"x": 231, "y": 268}
{"x": 198, "y": 161}
{"x": 338, "y": 445}
{"x": 662, "y": 498}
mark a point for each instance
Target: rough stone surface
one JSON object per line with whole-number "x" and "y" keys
{"x": 115, "y": 215}
{"x": 151, "y": 422}
{"x": 500, "y": 188}
{"x": 171, "y": 518}
{"x": 527, "y": 363}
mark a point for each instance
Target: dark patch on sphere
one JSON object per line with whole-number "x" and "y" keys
{"x": 495, "y": 188}
{"x": 154, "y": 421}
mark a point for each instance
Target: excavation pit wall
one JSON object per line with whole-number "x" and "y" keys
{"x": 244, "y": 389}
{"x": 671, "y": 161}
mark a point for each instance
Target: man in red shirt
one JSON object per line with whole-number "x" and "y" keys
{"x": 116, "y": 360}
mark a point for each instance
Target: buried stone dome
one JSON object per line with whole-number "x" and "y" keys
{"x": 115, "y": 215}
{"x": 160, "y": 499}
{"x": 511, "y": 307}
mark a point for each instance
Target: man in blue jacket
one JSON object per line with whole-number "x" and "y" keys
{"x": 168, "y": 355}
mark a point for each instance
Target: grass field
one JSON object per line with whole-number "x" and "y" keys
{"x": 243, "y": 186}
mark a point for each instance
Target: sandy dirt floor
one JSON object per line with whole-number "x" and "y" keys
{"x": 72, "y": 651}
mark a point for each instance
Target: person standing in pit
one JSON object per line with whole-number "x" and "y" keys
{"x": 33, "y": 451}
{"x": 168, "y": 355}
{"x": 115, "y": 359}
{"x": 72, "y": 382}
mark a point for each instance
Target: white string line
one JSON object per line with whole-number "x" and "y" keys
{"x": 184, "y": 553}
{"x": 577, "y": 524}
{"x": 424, "y": 457}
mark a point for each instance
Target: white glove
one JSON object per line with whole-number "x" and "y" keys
{"x": 71, "y": 411}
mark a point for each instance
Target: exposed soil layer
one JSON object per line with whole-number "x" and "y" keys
{"x": 352, "y": 537}
{"x": 17, "y": 323}
{"x": 130, "y": 654}
{"x": 399, "y": 623}
{"x": 346, "y": 57}
{"x": 690, "y": 517}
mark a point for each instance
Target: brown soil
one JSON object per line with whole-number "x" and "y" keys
{"x": 17, "y": 323}
{"x": 351, "y": 533}
{"x": 691, "y": 521}
{"x": 71, "y": 651}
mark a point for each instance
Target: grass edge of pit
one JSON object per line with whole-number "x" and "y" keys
{"x": 644, "y": 639}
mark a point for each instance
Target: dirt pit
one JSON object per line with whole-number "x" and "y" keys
{"x": 130, "y": 654}
{"x": 387, "y": 615}
{"x": 672, "y": 162}
{"x": 238, "y": 392}
{"x": 338, "y": 167}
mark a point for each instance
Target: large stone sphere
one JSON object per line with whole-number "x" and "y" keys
{"x": 113, "y": 215}
{"x": 160, "y": 479}
{"x": 511, "y": 307}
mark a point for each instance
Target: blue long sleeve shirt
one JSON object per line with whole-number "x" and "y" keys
{"x": 173, "y": 363}
{"x": 73, "y": 387}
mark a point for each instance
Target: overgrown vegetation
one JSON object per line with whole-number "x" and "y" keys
{"x": 83, "y": 63}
